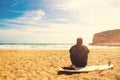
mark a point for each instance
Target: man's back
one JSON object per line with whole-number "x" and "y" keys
{"x": 79, "y": 55}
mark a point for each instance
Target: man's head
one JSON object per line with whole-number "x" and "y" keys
{"x": 79, "y": 41}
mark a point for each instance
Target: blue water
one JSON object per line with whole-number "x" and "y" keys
{"x": 43, "y": 46}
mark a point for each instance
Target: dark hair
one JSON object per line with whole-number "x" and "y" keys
{"x": 79, "y": 41}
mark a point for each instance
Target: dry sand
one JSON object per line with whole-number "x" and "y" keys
{"x": 43, "y": 65}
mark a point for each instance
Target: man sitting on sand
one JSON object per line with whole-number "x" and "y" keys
{"x": 79, "y": 54}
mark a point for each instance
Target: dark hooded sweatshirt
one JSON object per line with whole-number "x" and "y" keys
{"x": 79, "y": 55}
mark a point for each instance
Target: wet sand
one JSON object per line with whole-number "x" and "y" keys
{"x": 43, "y": 65}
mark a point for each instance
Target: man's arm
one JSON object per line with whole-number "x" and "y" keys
{"x": 87, "y": 50}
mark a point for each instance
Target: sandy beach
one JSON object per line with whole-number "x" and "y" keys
{"x": 43, "y": 65}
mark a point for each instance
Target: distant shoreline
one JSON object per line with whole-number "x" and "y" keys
{"x": 35, "y": 43}
{"x": 105, "y": 44}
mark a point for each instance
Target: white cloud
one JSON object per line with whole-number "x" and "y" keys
{"x": 68, "y": 4}
{"x": 29, "y": 17}
{"x": 34, "y": 15}
{"x": 54, "y": 32}
{"x": 94, "y": 12}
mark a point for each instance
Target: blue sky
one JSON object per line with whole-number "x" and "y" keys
{"x": 56, "y": 21}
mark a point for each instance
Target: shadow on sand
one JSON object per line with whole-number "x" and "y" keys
{"x": 68, "y": 73}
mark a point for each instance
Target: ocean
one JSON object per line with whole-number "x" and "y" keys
{"x": 43, "y": 46}
{"x": 35, "y": 46}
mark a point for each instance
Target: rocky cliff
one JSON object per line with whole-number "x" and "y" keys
{"x": 108, "y": 38}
